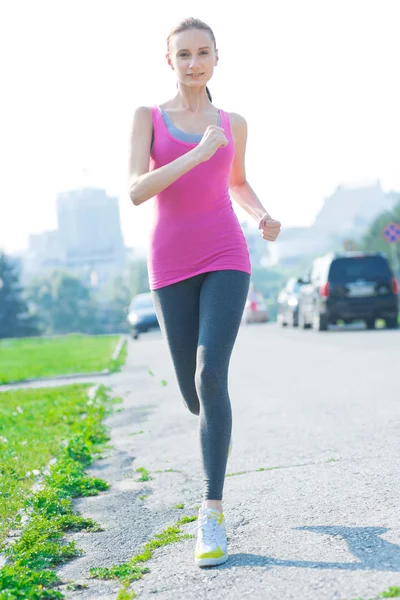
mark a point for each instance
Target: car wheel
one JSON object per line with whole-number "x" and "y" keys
{"x": 281, "y": 321}
{"x": 392, "y": 324}
{"x": 135, "y": 334}
{"x": 370, "y": 323}
{"x": 320, "y": 322}
{"x": 295, "y": 319}
{"x": 302, "y": 323}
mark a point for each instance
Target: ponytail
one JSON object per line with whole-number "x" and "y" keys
{"x": 208, "y": 94}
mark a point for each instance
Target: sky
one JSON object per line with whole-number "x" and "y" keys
{"x": 316, "y": 80}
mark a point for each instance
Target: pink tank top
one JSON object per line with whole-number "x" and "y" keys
{"x": 195, "y": 229}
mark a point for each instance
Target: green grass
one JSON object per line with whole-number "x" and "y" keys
{"x": 145, "y": 475}
{"x": 33, "y": 426}
{"x": 392, "y": 592}
{"x": 124, "y": 594}
{"x": 167, "y": 471}
{"x": 45, "y": 357}
{"x": 236, "y": 473}
{"x": 131, "y": 571}
{"x": 40, "y": 547}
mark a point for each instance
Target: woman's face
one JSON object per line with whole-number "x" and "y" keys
{"x": 193, "y": 56}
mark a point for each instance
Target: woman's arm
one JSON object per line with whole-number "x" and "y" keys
{"x": 239, "y": 187}
{"x": 143, "y": 184}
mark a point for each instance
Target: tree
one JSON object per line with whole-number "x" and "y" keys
{"x": 63, "y": 304}
{"x": 15, "y": 319}
{"x": 118, "y": 295}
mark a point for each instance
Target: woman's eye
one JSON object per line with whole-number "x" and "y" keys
{"x": 184, "y": 54}
{"x": 204, "y": 52}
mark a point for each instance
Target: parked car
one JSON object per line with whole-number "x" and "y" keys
{"x": 255, "y": 310}
{"x": 349, "y": 286}
{"x": 288, "y": 302}
{"x": 141, "y": 315}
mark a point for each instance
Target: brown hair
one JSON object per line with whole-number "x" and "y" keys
{"x": 192, "y": 23}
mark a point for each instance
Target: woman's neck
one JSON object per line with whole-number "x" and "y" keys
{"x": 193, "y": 100}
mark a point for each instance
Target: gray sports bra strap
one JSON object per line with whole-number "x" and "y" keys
{"x": 178, "y": 133}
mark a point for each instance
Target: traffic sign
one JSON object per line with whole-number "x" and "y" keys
{"x": 391, "y": 233}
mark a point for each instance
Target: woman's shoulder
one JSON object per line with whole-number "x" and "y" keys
{"x": 143, "y": 118}
{"x": 237, "y": 120}
{"x": 143, "y": 111}
{"x": 238, "y": 124}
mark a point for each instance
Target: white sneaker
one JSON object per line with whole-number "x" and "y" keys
{"x": 211, "y": 547}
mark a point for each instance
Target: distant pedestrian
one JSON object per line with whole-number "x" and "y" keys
{"x": 190, "y": 156}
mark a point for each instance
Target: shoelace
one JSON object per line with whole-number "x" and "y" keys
{"x": 208, "y": 524}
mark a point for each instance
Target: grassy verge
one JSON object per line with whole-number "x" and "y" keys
{"x": 40, "y": 547}
{"x": 45, "y": 357}
{"x": 33, "y": 426}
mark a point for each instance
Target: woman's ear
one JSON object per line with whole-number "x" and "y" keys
{"x": 167, "y": 56}
{"x": 216, "y": 57}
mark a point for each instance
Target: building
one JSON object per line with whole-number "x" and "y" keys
{"x": 89, "y": 227}
{"x": 351, "y": 209}
{"x": 88, "y": 239}
{"x": 344, "y": 217}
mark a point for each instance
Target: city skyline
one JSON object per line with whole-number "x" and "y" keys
{"x": 315, "y": 83}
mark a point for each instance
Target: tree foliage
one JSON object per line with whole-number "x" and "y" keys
{"x": 15, "y": 319}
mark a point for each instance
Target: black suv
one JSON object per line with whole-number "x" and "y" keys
{"x": 349, "y": 286}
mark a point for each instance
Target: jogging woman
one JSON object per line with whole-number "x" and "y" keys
{"x": 190, "y": 157}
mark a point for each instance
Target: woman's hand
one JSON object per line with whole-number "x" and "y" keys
{"x": 270, "y": 228}
{"x": 213, "y": 138}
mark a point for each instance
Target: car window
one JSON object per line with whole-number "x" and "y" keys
{"x": 360, "y": 267}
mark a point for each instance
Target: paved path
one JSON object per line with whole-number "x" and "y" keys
{"x": 323, "y": 409}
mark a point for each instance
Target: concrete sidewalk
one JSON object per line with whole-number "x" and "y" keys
{"x": 323, "y": 524}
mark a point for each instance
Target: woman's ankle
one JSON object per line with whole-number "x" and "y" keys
{"x": 216, "y": 504}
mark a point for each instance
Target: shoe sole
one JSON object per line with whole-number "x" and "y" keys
{"x": 211, "y": 562}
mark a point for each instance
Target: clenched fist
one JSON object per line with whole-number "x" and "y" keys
{"x": 270, "y": 228}
{"x": 213, "y": 138}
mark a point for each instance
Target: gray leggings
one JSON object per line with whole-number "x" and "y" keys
{"x": 200, "y": 319}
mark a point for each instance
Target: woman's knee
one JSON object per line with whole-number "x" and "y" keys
{"x": 209, "y": 380}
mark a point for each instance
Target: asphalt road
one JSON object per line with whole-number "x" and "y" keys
{"x": 322, "y": 409}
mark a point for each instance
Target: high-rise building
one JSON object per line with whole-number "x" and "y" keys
{"x": 89, "y": 227}
{"x": 88, "y": 240}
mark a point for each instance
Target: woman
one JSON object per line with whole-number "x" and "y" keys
{"x": 190, "y": 156}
